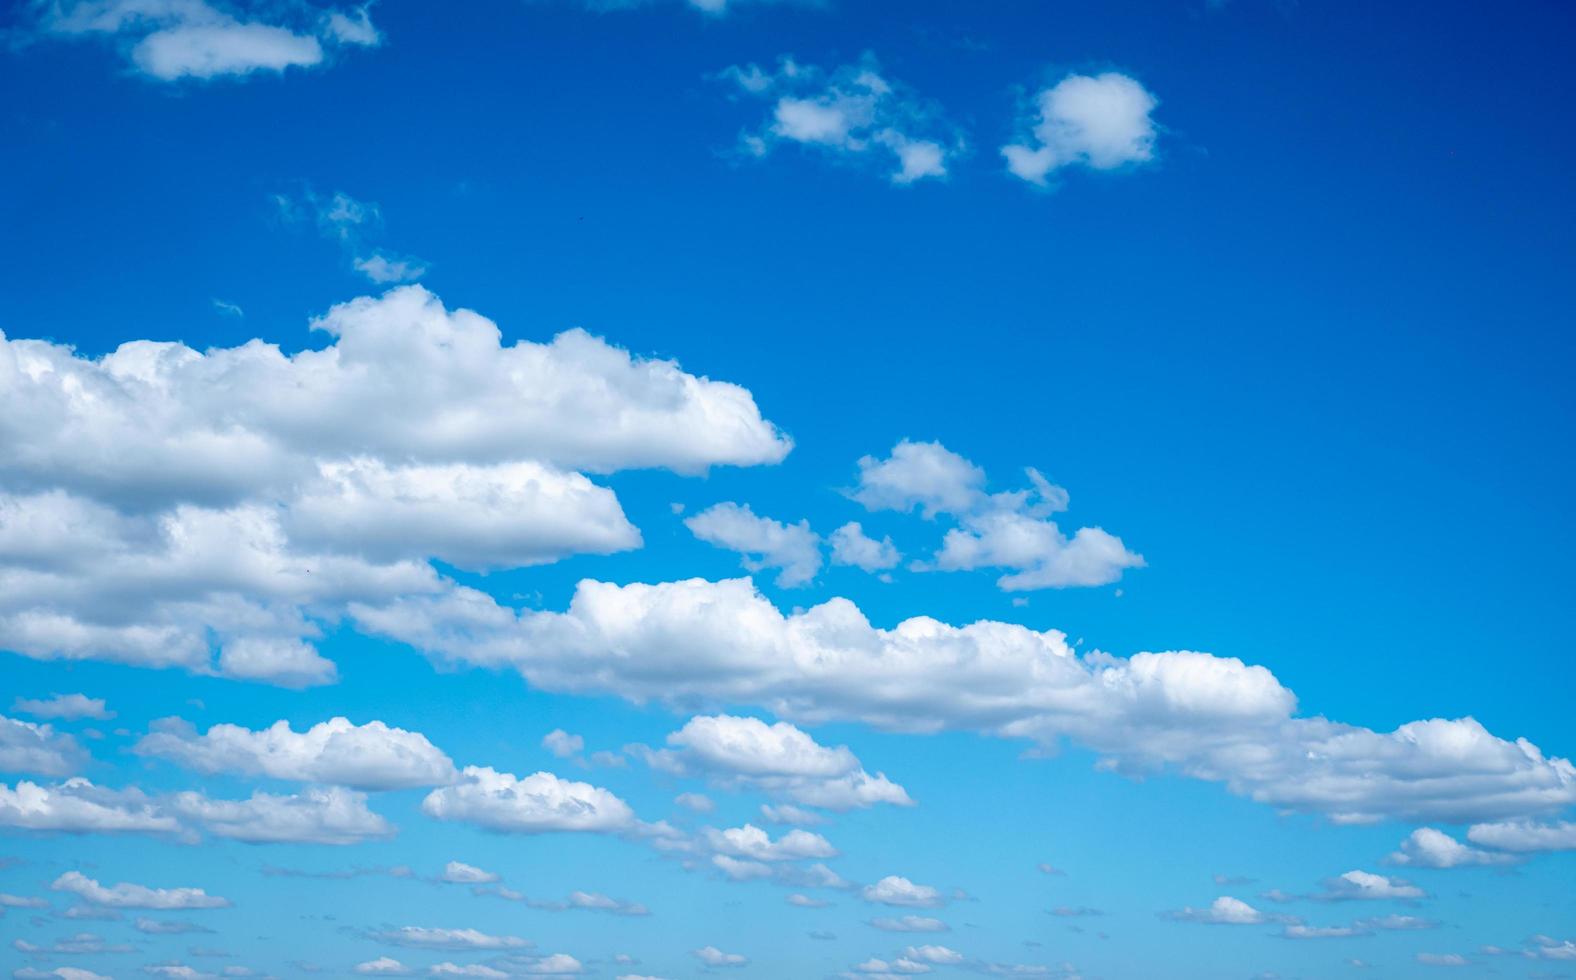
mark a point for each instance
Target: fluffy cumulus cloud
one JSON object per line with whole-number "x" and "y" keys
{"x": 851, "y": 113}
{"x": 317, "y": 815}
{"x": 1102, "y": 122}
{"x": 76, "y": 806}
{"x": 897, "y": 890}
{"x": 458, "y": 872}
{"x": 1224, "y": 910}
{"x": 538, "y": 803}
{"x": 215, "y": 510}
{"x": 373, "y": 756}
{"x": 1525, "y": 835}
{"x": 780, "y": 759}
{"x": 712, "y": 956}
{"x": 170, "y": 40}
{"x": 33, "y": 748}
{"x": 1426, "y": 847}
{"x": 750, "y": 842}
{"x": 1010, "y": 530}
{"x": 1367, "y": 886}
{"x": 852, "y": 546}
{"x": 132, "y": 896}
{"x": 764, "y": 543}
{"x": 1215, "y": 718}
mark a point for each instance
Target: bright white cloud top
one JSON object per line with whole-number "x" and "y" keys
{"x": 1102, "y": 122}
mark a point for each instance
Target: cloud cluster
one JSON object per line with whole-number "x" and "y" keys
{"x": 764, "y": 543}
{"x": 66, "y": 707}
{"x": 170, "y": 40}
{"x": 353, "y": 224}
{"x": 33, "y": 748}
{"x": 538, "y": 803}
{"x": 1427, "y": 847}
{"x": 779, "y": 759}
{"x": 128, "y": 895}
{"x": 167, "y": 507}
{"x": 317, "y": 815}
{"x": 851, "y": 113}
{"x": 1011, "y": 530}
{"x": 1102, "y": 122}
{"x": 373, "y": 756}
{"x": 693, "y": 643}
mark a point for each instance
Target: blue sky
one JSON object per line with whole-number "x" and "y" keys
{"x": 1032, "y": 489}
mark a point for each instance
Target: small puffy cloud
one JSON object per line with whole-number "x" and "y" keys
{"x": 1364, "y": 885}
{"x": 752, "y": 843}
{"x": 1426, "y": 847}
{"x": 1299, "y": 930}
{"x": 383, "y": 966}
{"x": 1102, "y": 122}
{"x": 909, "y": 923}
{"x": 132, "y": 896}
{"x": 29, "y": 747}
{"x": 382, "y": 268}
{"x": 423, "y": 937}
{"x": 353, "y": 225}
{"x": 923, "y": 475}
{"x": 897, "y": 890}
{"x": 939, "y": 955}
{"x": 468, "y": 970}
{"x": 852, "y": 113}
{"x": 712, "y": 956}
{"x": 1224, "y": 910}
{"x": 66, "y": 707}
{"x": 76, "y": 806}
{"x": 764, "y": 543}
{"x": 538, "y": 803}
{"x": 170, "y": 40}
{"x": 460, "y": 873}
{"x": 779, "y": 758}
{"x": 851, "y": 546}
{"x": 1011, "y": 530}
{"x": 1525, "y": 835}
{"x": 317, "y": 815}
{"x": 1442, "y": 959}
{"x": 789, "y": 814}
{"x": 563, "y": 744}
{"x": 373, "y": 756}
{"x": 806, "y": 902}
{"x": 58, "y": 973}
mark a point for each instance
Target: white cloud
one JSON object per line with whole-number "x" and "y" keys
{"x": 1441, "y": 959}
{"x": 177, "y": 39}
{"x": 779, "y": 759}
{"x": 849, "y": 113}
{"x": 1426, "y": 847}
{"x": 539, "y": 803}
{"x": 67, "y": 707}
{"x": 383, "y": 966}
{"x": 563, "y": 744}
{"x": 1010, "y": 530}
{"x": 76, "y": 806}
{"x": 373, "y": 756}
{"x": 380, "y": 267}
{"x": 58, "y": 973}
{"x": 750, "y": 842}
{"x": 33, "y": 748}
{"x": 897, "y": 890}
{"x": 787, "y": 813}
{"x": 1214, "y": 718}
{"x": 1101, "y": 122}
{"x": 1224, "y": 910}
{"x": 851, "y": 546}
{"x": 423, "y": 937}
{"x": 712, "y": 956}
{"x": 940, "y": 955}
{"x": 1368, "y": 886}
{"x": 131, "y": 896}
{"x": 1525, "y": 835}
{"x": 217, "y": 510}
{"x": 317, "y": 815}
{"x": 467, "y": 874}
{"x": 764, "y": 543}
{"x": 468, "y": 970}
{"x": 167, "y": 927}
{"x": 909, "y": 923}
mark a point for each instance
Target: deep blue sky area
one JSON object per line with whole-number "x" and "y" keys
{"x": 1312, "y": 360}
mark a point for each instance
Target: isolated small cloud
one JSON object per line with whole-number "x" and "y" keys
{"x": 1101, "y": 122}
